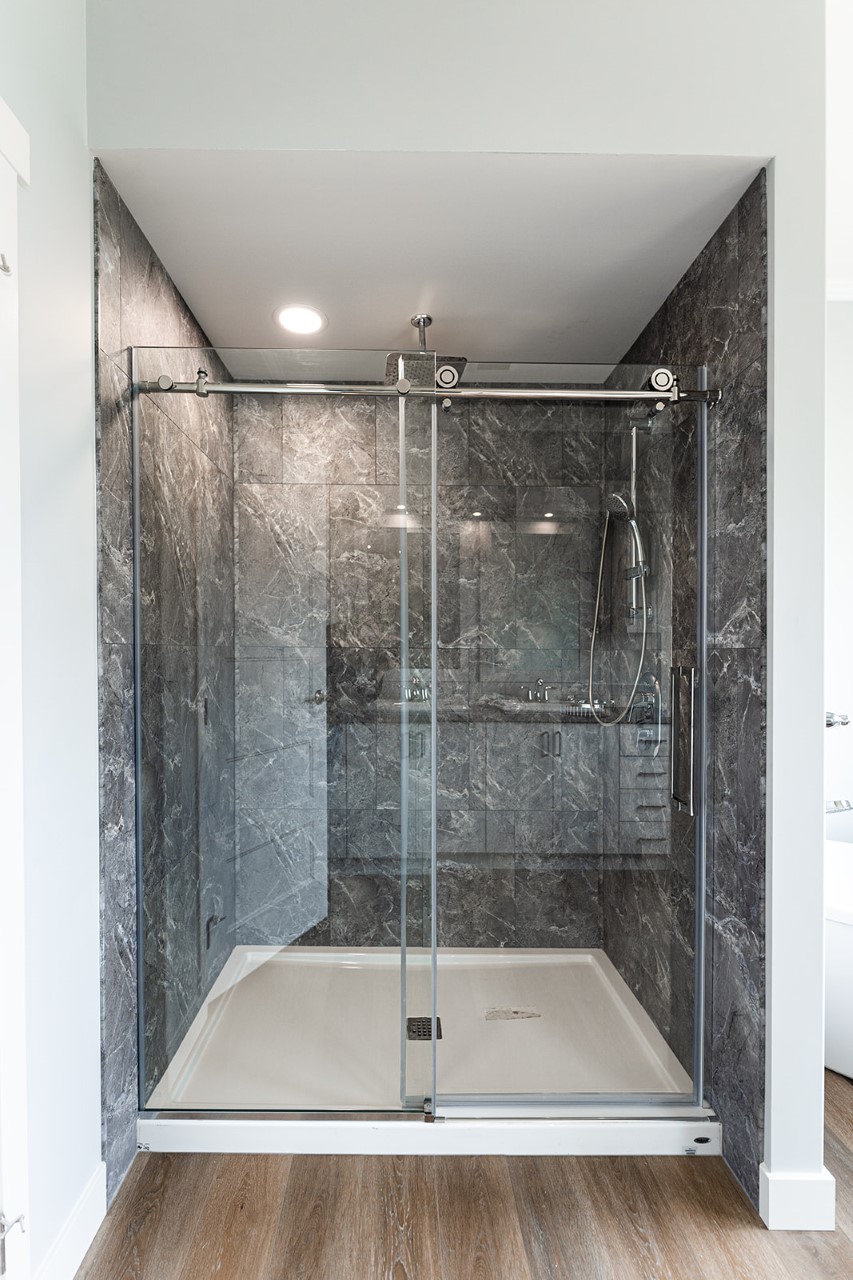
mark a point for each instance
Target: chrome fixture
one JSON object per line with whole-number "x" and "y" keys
{"x": 422, "y": 322}
{"x": 448, "y": 371}
{"x": 585, "y": 395}
{"x": 619, "y": 508}
{"x": 537, "y": 692}
{"x": 684, "y": 688}
{"x": 574, "y": 710}
{"x": 418, "y": 691}
{"x": 835, "y": 719}
{"x": 662, "y": 380}
{"x": 648, "y": 710}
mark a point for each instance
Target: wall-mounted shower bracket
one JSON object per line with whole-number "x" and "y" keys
{"x": 710, "y": 397}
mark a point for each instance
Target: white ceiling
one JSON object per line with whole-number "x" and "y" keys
{"x": 517, "y": 257}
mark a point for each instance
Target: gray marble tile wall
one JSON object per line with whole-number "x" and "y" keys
{"x": 717, "y": 315}
{"x": 648, "y": 894}
{"x": 188, "y": 674}
{"x": 520, "y": 795}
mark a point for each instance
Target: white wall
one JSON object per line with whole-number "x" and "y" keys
{"x": 503, "y": 76}
{"x": 839, "y": 547}
{"x": 42, "y": 78}
{"x": 839, "y": 172}
{"x": 839, "y": 420}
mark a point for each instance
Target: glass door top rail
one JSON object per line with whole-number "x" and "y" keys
{"x": 203, "y": 387}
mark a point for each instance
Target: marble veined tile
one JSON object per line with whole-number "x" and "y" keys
{"x": 329, "y": 439}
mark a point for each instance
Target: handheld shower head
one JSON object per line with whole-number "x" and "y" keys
{"x": 619, "y": 507}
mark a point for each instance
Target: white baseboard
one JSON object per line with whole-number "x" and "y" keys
{"x": 797, "y": 1201}
{"x": 69, "y": 1248}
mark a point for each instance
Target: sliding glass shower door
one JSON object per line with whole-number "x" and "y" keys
{"x": 569, "y": 775}
{"x": 407, "y": 838}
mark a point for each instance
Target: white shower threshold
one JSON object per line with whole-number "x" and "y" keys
{"x": 308, "y": 1030}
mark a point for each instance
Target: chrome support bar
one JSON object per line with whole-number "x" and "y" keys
{"x": 164, "y": 385}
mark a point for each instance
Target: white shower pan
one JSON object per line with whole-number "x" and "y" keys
{"x": 318, "y": 1028}
{"x": 302, "y": 1030}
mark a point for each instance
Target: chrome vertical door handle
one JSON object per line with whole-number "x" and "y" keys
{"x": 681, "y": 772}
{"x": 835, "y": 719}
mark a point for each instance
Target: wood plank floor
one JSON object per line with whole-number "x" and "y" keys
{"x": 195, "y": 1217}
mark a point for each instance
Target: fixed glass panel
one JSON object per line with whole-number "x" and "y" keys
{"x": 566, "y": 903}
{"x": 284, "y": 699}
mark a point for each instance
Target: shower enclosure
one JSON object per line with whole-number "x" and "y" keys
{"x": 420, "y": 752}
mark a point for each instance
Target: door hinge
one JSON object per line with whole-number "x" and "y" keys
{"x": 6, "y": 1226}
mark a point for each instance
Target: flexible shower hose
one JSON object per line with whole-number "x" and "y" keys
{"x": 635, "y": 535}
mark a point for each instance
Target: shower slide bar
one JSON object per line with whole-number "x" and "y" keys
{"x": 202, "y": 387}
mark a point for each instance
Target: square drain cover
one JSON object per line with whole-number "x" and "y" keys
{"x": 421, "y": 1028}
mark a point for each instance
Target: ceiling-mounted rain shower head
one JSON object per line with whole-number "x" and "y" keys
{"x": 417, "y": 368}
{"x": 421, "y": 369}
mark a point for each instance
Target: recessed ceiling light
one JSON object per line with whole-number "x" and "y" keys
{"x": 401, "y": 506}
{"x": 549, "y": 515}
{"x": 301, "y": 319}
{"x": 476, "y": 513}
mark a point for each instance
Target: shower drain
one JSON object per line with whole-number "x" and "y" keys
{"x": 421, "y": 1028}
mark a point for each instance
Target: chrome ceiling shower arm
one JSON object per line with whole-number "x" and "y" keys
{"x": 422, "y": 322}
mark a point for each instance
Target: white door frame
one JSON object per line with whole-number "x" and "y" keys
{"x": 14, "y": 1180}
